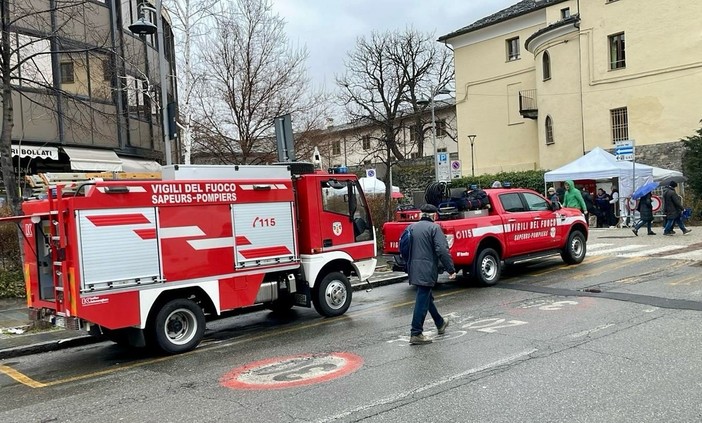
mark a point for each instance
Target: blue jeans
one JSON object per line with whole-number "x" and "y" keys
{"x": 424, "y": 303}
{"x": 672, "y": 222}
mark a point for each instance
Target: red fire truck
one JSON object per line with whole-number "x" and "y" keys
{"x": 146, "y": 262}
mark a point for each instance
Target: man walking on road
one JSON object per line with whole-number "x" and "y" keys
{"x": 673, "y": 210}
{"x": 429, "y": 247}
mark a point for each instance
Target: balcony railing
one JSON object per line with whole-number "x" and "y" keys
{"x": 527, "y": 104}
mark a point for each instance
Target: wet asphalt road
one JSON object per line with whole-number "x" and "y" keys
{"x": 543, "y": 346}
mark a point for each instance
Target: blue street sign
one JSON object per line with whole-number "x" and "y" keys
{"x": 624, "y": 150}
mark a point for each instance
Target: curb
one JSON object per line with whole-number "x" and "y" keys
{"x": 48, "y": 346}
{"x": 78, "y": 341}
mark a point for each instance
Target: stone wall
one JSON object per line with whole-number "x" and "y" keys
{"x": 663, "y": 155}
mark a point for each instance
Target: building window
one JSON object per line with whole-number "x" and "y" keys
{"x": 67, "y": 73}
{"x": 513, "y": 49}
{"x": 617, "y": 58}
{"x": 565, "y": 13}
{"x": 414, "y": 156}
{"x": 442, "y": 150}
{"x": 620, "y": 124}
{"x": 549, "y": 131}
{"x": 336, "y": 147}
{"x": 441, "y": 128}
{"x": 546, "y": 62}
{"x": 366, "y": 142}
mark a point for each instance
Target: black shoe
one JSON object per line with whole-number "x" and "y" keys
{"x": 651, "y": 233}
{"x": 668, "y": 233}
{"x": 687, "y": 231}
{"x": 635, "y": 231}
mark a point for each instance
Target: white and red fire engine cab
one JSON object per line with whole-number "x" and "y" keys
{"x": 146, "y": 262}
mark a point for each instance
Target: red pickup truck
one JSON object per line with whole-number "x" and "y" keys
{"x": 518, "y": 225}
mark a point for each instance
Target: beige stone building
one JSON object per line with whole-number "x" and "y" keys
{"x": 86, "y": 92}
{"x": 359, "y": 143}
{"x": 545, "y": 81}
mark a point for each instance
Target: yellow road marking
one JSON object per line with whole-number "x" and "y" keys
{"x": 20, "y": 377}
{"x": 588, "y": 260}
{"x": 685, "y": 281}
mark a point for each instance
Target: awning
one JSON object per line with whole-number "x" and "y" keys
{"x": 33, "y": 151}
{"x": 136, "y": 165}
{"x": 90, "y": 159}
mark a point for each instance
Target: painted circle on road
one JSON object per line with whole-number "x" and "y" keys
{"x": 291, "y": 371}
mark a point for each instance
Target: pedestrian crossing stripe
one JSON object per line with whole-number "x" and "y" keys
{"x": 650, "y": 251}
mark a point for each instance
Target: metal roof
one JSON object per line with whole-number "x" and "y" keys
{"x": 521, "y": 8}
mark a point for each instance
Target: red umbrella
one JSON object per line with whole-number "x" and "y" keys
{"x": 396, "y": 195}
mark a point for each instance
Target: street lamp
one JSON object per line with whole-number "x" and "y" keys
{"x": 433, "y": 130}
{"x": 144, "y": 27}
{"x": 471, "y": 137}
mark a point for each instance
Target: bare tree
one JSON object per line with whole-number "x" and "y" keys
{"x": 253, "y": 76}
{"x": 33, "y": 35}
{"x": 388, "y": 79}
{"x": 191, "y": 20}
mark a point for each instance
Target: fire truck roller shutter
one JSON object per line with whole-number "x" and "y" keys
{"x": 118, "y": 247}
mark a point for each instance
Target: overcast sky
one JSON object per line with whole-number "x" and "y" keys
{"x": 328, "y": 28}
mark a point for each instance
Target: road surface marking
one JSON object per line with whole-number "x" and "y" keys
{"x": 590, "y": 331}
{"x": 652, "y": 251}
{"x": 617, "y": 249}
{"x": 20, "y": 377}
{"x": 206, "y": 348}
{"x": 690, "y": 255}
{"x": 402, "y": 395}
{"x": 595, "y": 246}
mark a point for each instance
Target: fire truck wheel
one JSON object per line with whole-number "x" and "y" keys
{"x": 575, "y": 248}
{"x": 333, "y": 295}
{"x": 179, "y": 326}
{"x": 282, "y": 305}
{"x": 487, "y": 267}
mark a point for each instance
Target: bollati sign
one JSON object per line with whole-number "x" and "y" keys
{"x": 32, "y": 151}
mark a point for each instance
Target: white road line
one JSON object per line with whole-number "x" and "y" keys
{"x": 596, "y": 246}
{"x": 402, "y": 395}
{"x": 690, "y": 255}
{"x": 652, "y": 251}
{"x": 616, "y": 250}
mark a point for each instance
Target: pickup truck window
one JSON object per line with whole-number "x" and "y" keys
{"x": 535, "y": 203}
{"x": 512, "y": 203}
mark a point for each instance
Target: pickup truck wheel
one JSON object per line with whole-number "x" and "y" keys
{"x": 575, "y": 249}
{"x": 179, "y": 326}
{"x": 333, "y": 295}
{"x": 487, "y": 267}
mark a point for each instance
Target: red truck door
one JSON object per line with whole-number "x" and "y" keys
{"x": 518, "y": 222}
{"x": 547, "y": 233}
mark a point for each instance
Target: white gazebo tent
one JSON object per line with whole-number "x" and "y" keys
{"x": 599, "y": 164}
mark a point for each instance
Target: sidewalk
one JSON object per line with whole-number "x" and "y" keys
{"x": 17, "y": 338}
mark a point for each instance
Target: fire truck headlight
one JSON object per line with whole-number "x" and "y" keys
{"x": 449, "y": 238}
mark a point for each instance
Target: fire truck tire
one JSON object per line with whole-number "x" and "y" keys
{"x": 487, "y": 267}
{"x": 333, "y": 295}
{"x": 282, "y": 305}
{"x": 179, "y": 326}
{"x": 574, "y": 250}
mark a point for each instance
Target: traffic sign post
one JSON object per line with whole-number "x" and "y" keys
{"x": 624, "y": 150}
{"x": 443, "y": 167}
{"x": 455, "y": 169}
